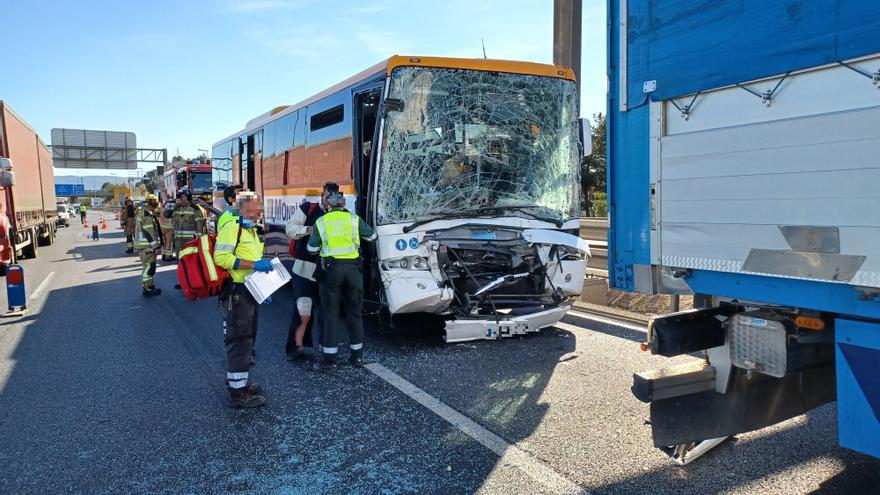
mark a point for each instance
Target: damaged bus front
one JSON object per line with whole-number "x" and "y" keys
{"x": 476, "y": 199}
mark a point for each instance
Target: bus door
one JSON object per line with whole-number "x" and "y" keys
{"x": 254, "y": 155}
{"x": 364, "y": 134}
{"x": 366, "y": 106}
{"x": 245, "y": 144}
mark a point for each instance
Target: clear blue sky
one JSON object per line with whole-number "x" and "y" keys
{"x": 184, "y": 74}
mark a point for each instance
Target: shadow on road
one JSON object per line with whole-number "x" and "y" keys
{"x": 768, "y": 461}
{"x": 107, "y": 391}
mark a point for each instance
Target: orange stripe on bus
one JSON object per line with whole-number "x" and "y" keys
{"x": 307, "y": 190}
{"x": 528, "y": 68}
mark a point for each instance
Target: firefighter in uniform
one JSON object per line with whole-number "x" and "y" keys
{"x": 240, "y": 251}
{"x": 187, "y": 220}
{"x": 167, "y": 232}
{"x": 336, "y": 237}
{"x": 148, "y": 241}
{"x": 128, "y": 218}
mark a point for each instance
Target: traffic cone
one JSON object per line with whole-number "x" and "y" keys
{"x": 103, "y": 224}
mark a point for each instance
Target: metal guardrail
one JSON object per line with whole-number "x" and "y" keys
{"x": 595, "y": 230}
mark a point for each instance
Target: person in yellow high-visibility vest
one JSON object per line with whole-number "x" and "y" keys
{"x": 336, "y": 237}
{"x": 239, "y": 250}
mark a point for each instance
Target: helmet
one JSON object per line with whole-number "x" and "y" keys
{"x": 152, "y": 200}
{"x": 185, "y": 192}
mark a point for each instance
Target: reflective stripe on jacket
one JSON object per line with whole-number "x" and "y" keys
{"x": 249, "y": 248}
{"x": 229, "y": 215}
{"x": 339, "y": 235}
{"x": 147, "y": 232}
{"x": 188, "y": 222}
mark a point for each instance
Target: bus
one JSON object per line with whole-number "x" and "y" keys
{"x": 469, "y": 170}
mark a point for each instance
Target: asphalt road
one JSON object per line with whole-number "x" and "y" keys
{"x": 104, "y": 391}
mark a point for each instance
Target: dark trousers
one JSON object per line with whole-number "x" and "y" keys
{"x": 239, "y": 330}
{"x": 342, "y": 287}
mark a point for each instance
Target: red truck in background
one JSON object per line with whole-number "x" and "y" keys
{"x": 194, "y": 176}
{"x": 27, "y": 190}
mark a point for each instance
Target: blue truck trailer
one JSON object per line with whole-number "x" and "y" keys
{"x": 744, "y": 168}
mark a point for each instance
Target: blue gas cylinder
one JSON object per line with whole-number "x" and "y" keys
{"x": 15, "y": 287}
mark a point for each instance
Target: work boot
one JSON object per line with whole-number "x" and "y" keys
{"x": 356, "y": 359}
{"x": 242, "y": 398}
{"x": 254, "y": 388}
{"x": 152, "y": 291}
{"x": 297, "y": 354}
{"x": 327, "y": 364}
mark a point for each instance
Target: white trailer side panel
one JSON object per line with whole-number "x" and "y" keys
{"x": 737, "y": 176}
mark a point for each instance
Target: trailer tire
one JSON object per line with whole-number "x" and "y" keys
{"x": 31, "y": 251}
{"x": 48, "y": 239}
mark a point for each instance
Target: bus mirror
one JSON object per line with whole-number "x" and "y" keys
{"x": 7, "y": 178}
{"x": 392, "y": 105}
{"x": 586, "y": 136}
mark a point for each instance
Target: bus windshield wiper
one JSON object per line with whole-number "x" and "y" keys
{"x": 481, "y": 213}
{"x": 443, "y": 216}
{"x": 522, "y": 209}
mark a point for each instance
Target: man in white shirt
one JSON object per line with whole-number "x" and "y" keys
{"x": 306, "y": 313}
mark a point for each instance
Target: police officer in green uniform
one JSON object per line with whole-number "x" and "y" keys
{"x": 336, "y": 237}
{"x": 148, "y": 241}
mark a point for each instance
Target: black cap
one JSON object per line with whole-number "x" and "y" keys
{"x": 230, "y": 193}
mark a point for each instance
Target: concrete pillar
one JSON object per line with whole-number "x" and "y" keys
{"x": 567, "y": 35}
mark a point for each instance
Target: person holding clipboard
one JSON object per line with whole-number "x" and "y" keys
{"x": 239, "y": 250}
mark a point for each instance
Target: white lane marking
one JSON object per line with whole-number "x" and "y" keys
{"x": 608, "y": 321}
{"x": 510, "y": 454}
{"x": 36, "y": 293}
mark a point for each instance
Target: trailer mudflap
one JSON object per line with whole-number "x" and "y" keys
{"x": 467, "y": 329}
{"x": 752, "y": 402}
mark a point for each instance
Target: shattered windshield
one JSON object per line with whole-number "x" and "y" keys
{"x": 473, "y": 142}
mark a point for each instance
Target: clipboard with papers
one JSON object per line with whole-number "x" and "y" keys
{"x": 263, "y": 284}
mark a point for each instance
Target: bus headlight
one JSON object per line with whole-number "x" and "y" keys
{"x": 407, "y": 263}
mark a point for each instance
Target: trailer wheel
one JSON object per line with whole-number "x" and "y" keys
{"x": 47, "y": 239}
{"x": 30, "y": 251}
